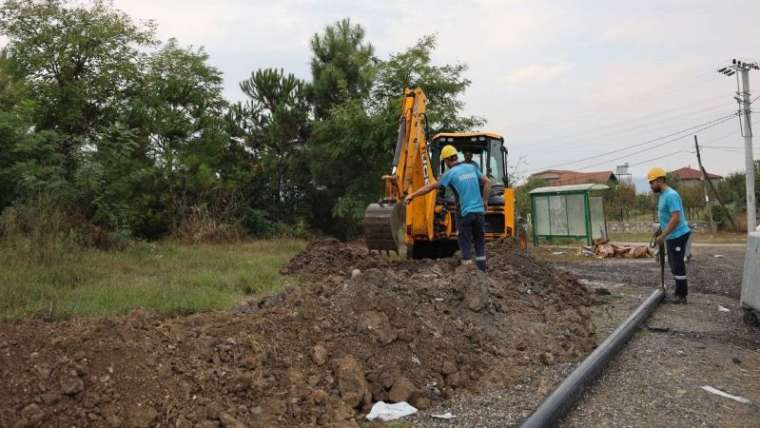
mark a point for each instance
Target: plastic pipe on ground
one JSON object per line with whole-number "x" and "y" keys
{"x": 559, "y": 401}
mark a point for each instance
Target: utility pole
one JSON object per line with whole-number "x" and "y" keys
{"x": 708, "y": 205}
{"x": 706, "y": 178}
{"x": 742, "y": 69}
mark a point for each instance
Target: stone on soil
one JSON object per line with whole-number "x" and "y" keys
{"x": 142, "y": 417}
{"x": 476, "y": 295}
{"x": 71, "y": 384}
{"x": 402, "y": 390}
{"x": 449, "y": 367}
{"x": 351, "y": 382}
{"x": 377, "y": 324}
{"x": 547, "y": 358}
{"x": 230, "y": 422}
{"x": 319, "y": 355}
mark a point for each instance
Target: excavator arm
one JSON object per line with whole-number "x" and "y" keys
{"x": 389, "y": 222}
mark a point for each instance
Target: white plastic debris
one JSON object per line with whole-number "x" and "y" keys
{"x": 446, "y": 416}
{"x": 718, "y": 256}
{"x": 716, "y": 391}
{"x": 723, "y": 309}
{"x": 390, "y": 412}
{"x": 558, "y": 253}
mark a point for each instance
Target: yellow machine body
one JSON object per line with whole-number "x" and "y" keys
{"x": 427, "y": 226}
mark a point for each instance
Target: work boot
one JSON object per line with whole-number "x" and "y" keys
{"x": 675, "y": 300}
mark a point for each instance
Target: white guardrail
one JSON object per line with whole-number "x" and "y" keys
{"x": 751, "y": 279}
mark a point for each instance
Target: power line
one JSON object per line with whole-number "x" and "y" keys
{"x": 628, "y": 125}
{"x": 723, "y": 137}
{"x": 658, "y": 145}
{"x": 654, "y": 140}
{"x": 658, "y": 158}
{"x": 669, "y": 87}
{"x": 740, "y": 150}
{"x": 723, "y": 147}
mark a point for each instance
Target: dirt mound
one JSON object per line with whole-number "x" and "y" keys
{"x": 314, "y": 355}
{"x": 332, "y": 257}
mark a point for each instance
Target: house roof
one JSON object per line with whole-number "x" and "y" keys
{"x": 571, "y": 188}
{"x": 564, "y": 177}
{"x": 551, "y": 171}
{"x": 586, "y": 177}
{"x": 688, "y": 173}
{"x": 468, "y": 134}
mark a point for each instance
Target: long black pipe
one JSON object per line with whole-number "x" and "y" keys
{"x": 559, "y": 401}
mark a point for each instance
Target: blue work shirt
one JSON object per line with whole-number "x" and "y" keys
{"x": 464, "y": 178}
{"x": 670, "y": 202}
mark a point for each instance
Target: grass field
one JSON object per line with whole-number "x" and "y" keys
{"x": 166, "y": 277}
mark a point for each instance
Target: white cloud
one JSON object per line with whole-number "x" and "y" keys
{"x": 535, "y": 73}
{"x": 561, "y": 80}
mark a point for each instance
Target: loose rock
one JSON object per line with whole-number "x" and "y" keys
{"x": 377, "y": 324}
{"x": 33, "y": 414}
{"x": 319, "y": 355}
{"x": 71, "y": 384}
{"x": 547, "y": 358}
{"x": 476, "y": 295}
{"x": 142, "y": 417}
{"x": 402, "y": 390}
{"x": 351, "y": 382}
{"x": 230, "y": 422}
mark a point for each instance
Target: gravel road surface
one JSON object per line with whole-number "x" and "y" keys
{"x": 657, "y": 380}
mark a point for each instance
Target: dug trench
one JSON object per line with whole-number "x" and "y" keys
{"x": 356, "y": 329}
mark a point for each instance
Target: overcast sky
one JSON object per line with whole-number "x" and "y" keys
{"x": 563, "y": 81}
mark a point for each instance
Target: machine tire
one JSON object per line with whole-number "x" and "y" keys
{"x": 418, "y": 251}
{"x": 431, "y": 250}
{"x": 751, "y": 318}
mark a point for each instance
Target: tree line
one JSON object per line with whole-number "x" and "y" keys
{"x": 131, "y": 137}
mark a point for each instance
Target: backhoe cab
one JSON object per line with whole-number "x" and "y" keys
{"x": 487, "y": 151}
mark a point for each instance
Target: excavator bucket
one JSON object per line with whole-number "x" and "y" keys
{"x": 384, "y": 226}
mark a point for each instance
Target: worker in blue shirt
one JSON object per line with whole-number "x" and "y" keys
{"x": 465, "y": 178}
{"x": 674, "y": 230}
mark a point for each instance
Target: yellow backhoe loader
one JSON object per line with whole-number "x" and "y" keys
{"x": 427, "y": 226}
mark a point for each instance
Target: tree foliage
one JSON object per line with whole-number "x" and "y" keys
{"x": 133, "y": 137}
{"x": 341, "y": 66}
{"x": 620, "y": 200}
{"x": 443, "y": 85}
{"x": 80, "y": 63}
{"x": 352, "y": 147}
{"x": 274, "y": 125}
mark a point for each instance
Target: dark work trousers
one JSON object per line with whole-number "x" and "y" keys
{"x": 676, "y": 256}
{"x": 471, "y": 231}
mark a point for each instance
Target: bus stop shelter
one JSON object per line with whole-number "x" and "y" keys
{"x": 568, "y": 212}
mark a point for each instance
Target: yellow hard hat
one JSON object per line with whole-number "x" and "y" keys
{"x": 655, "y": 173}
{"x": 448, "y": 151}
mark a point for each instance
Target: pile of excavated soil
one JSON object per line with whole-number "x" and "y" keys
{"x": 318, "y": 354}
{"x": 332, "y": 257}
